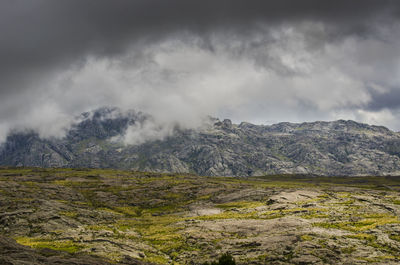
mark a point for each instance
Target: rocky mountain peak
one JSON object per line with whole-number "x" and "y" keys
{"x": 323, "y": 148}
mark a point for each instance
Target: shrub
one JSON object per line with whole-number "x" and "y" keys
{"x": 225, "y": 259}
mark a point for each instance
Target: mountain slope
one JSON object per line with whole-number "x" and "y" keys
{"x": 221, "y": 148}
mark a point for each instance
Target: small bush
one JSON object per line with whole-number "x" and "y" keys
{"x": 225, "y": 259}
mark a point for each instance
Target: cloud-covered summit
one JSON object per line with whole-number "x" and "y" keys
{"x": 259, "y": 61}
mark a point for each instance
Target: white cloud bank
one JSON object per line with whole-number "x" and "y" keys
{"x": 272, "y": 76}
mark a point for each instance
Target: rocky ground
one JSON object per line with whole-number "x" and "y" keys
{"x": 69, "y": 216}
{"x": 12, "y": 253}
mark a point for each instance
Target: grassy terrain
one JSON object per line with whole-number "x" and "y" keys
{"x": 177, "y": 219}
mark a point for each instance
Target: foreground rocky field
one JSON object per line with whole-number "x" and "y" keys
{"x": 70, "y": 216}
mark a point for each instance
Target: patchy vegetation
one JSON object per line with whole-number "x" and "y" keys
{"x": 181, "y": 219}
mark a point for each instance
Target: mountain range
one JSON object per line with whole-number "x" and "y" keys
{"x": 219, "y": 148}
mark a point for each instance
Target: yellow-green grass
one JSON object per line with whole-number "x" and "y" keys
{"x": 359, "y": 226}
{"x": 62, "y": 245}
{"x": 240, "y": 204}
{"x": 362, "y": 236}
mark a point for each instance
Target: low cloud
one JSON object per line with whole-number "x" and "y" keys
{"x": 148, "y": 130}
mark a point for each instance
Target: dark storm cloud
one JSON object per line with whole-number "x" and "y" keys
{"x": 389, "y": 100}
{"x": 258, "y": 60}
{"x": 39, "y": 35}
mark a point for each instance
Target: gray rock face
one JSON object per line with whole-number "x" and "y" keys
{"x": 226, "y": 149}
{"x": 12, "y": 253}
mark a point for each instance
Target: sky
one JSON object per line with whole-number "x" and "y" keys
{"x": 260, "y": 61}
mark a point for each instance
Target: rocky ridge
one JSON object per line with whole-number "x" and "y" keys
{"x": 219, "y": 149}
